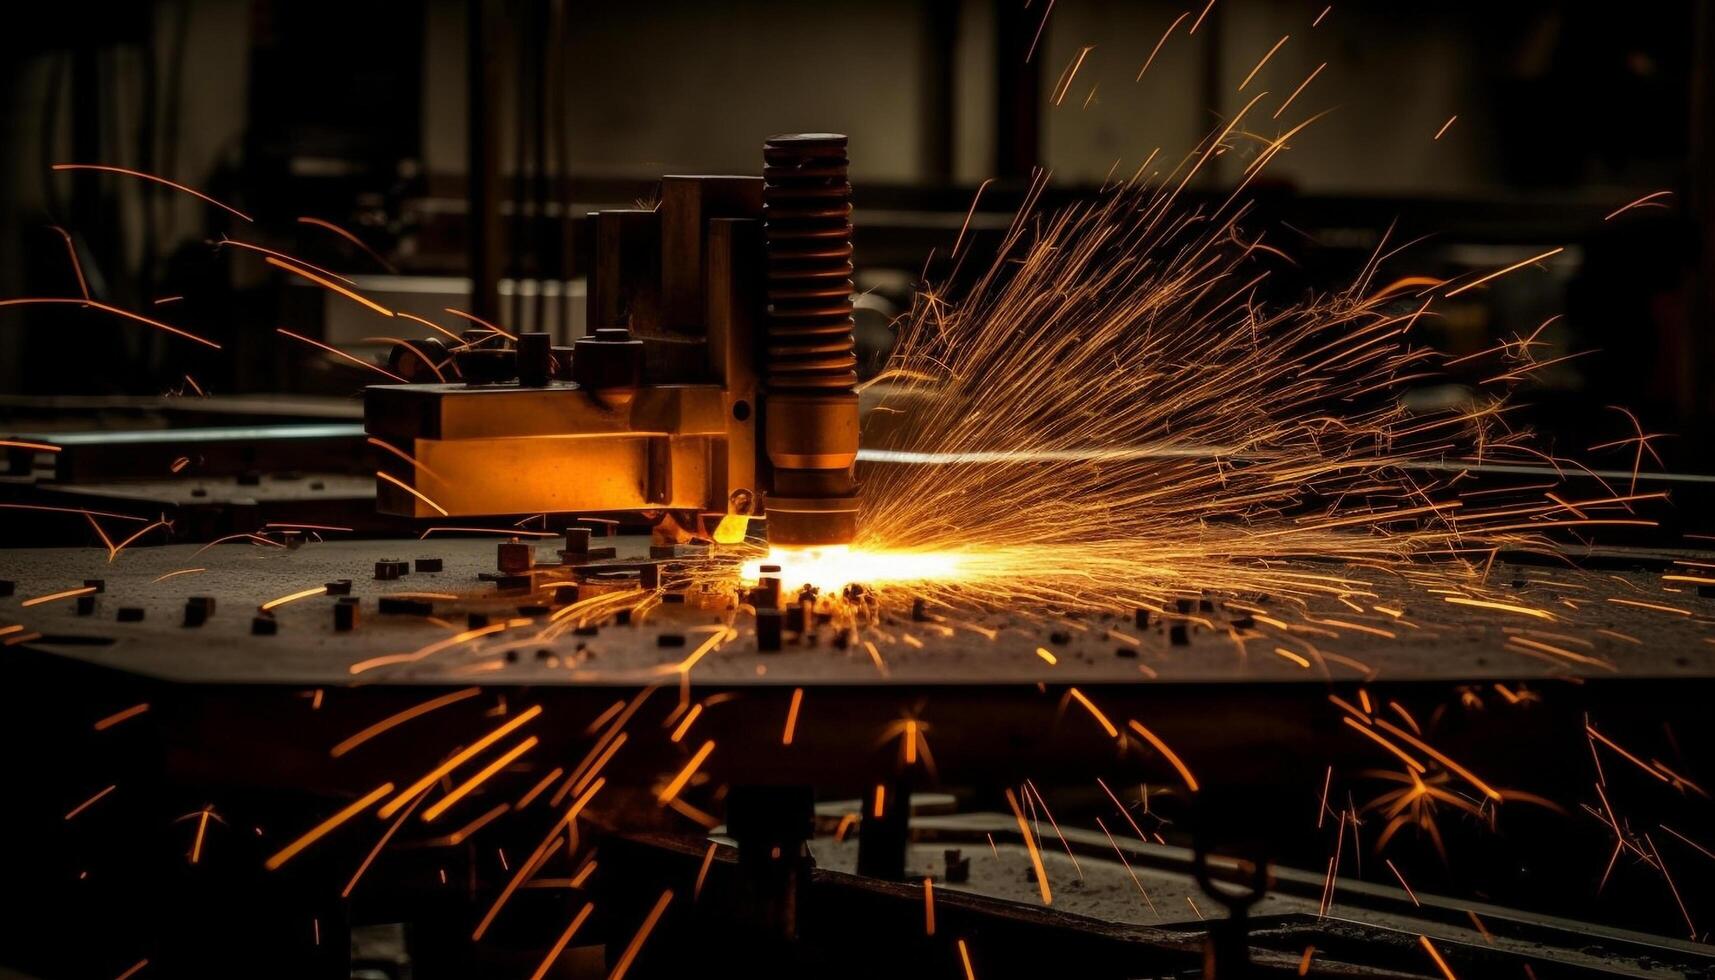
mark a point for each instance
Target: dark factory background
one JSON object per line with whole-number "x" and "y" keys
{"x": 370, "y": 116}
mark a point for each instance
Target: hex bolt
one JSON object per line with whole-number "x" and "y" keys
{"x": 515, "y": 557}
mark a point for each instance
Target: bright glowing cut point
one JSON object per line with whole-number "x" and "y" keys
{"x": 835, "y": 567}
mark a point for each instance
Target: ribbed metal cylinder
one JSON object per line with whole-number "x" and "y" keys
{"x": 806, "y": 209}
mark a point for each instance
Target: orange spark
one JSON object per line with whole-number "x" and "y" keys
{"x": 425, "y": 651}
{"x": 399, "y": 718}
{"x": 176, "y": 573}
{"x": 1435, "y": 955}
{"x": 1440, "y": 757}
{"x": 56, "y": 596}
{"x": 1046, "y": 655}
{"x": 1301, "y": 87}
{"x": 1502, "y": 606}
{"x": 792, "y": 716}
{"x": 928, "y": 906}
{"x": 1443, "y": 131}
{"x": 77, "y": 267}
{"x": 964, "y": 952}
{"x": 386, "y": 836}
{"x": 1473, "y": 284}
{"x": 685, "y": 725}
{"x": 1284, "y": 38}
{"x": 120, "y": 716}
{"x": 1157, "y": 49}
{"x": 86, "y": 804}
{"x": 159, "y": 180}
{"x": 1030, "y": 844}
{"x": 401, "y": 484}
{"x": 1171, "y": 756}
{"x": 327, "y": 826}
{"x": 1199, "y": 22}
{"x": 1384, "y": 743}
{"x": 294, "y": 597}
{"x": 879, "y": 807}
{"x": 360, "y": 362}
{"x": 678, "y": 783}
{"x": 328, "y": 284}
{"x": 970, "y": 214}
{"x": 113, "y": 310}
{"x": 1071, "y": 72}
{"x": 25, "y": 444}
{"x": 1095, "y": 712}
{"x": 540, "y": 787}
{"x": 1651, "y": 605}
{"x": 348, "y": 236}
{"x": 1641, "y": 202}
{"x": 560, "y": 944}
{"x": 460, "y": 758}
{"x": 479, "y": 321}
{"x": 140, "y": 964}
{"x": 432, "y": 325}
{"x": 636, "y": 944}
{"x": 481, "y": 776}
{"x": 1402, "y": 883}
{"x": 202, "y": 829}
{"x": 703, "y": 871}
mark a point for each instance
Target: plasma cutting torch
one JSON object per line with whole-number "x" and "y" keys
{"x": 718, "y": 376}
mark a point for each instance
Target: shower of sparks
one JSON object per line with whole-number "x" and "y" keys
{"x": 1110, "y": 419}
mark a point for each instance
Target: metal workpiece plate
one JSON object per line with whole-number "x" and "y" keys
{"x": 1651, "y": 632}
